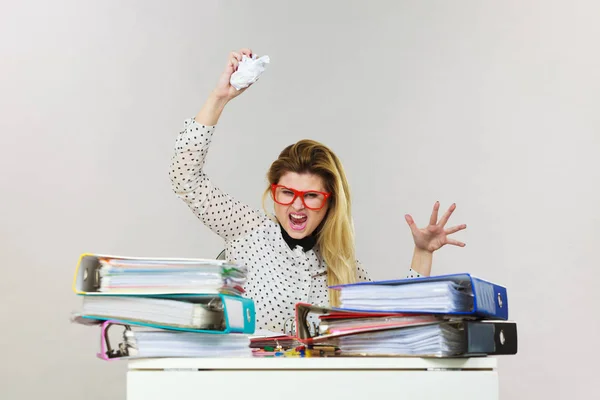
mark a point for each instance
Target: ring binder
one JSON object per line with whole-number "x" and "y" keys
{"x": 408, "y": 334}
{"x": 236, "y": 314}
{"x": 151, "y": 343}
{"x": 466, "y": 295}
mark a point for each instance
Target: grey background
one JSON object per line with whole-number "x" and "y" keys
{"x": 492, "y": 105}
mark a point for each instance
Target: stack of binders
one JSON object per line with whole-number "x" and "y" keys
{"x": 443, "y": 316}
{"x": 165, "y": 307}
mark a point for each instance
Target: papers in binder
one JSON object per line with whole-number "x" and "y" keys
{"x": 440, "y": 339}
{"x": 140, "y": 342}
{"x": 440, "y": 297}
{"x": 335, "y": 322}
{"x": 429, "y": 340}
{"x": 353, "y": 324}
{"x": 98, "y": 274}
{"x": 201, "y": 313}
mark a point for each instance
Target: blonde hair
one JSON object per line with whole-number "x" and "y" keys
{"x": 335, "y": 236}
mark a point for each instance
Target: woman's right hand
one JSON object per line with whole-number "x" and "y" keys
{"x": 224, "y": 90}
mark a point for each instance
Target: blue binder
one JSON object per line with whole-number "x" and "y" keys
{"x": 490, "y": 300}
{"x": 239, "y": 313}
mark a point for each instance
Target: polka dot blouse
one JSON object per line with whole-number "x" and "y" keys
{"x": 278, "y": 276}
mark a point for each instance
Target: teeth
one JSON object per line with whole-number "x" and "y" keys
{"x": 296, "y": 217}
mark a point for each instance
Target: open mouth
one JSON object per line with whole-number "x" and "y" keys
{"x": 298, "y": 221}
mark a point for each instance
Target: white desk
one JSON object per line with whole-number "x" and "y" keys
{"x": 312, "y": 378}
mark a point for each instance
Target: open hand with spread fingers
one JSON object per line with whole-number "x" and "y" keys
{"x": 435, "y": 235}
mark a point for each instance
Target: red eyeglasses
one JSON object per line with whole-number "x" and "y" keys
{"x": 312, "y": 199}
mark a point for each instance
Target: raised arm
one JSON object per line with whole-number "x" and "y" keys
{"x": 218, "y": 210}
{"x": 427, "y": 240}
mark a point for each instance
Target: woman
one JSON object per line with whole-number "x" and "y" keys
{"x": 309, "y": 244}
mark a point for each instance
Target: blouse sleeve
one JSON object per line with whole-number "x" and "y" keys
{"x": 220, "y": 212}
{"x": 361, "y": 274}
{"x": 413, "y": 274}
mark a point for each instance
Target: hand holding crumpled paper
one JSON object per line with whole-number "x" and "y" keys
{"x": 249, "y": 70}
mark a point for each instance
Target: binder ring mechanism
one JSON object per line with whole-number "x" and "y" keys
{"x": 107, "y": 352}
{"x": 95, "y": 284}
{"x": 290, "y": 329}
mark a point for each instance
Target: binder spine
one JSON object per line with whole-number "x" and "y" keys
{"x": 490, "y": 338}
{"x": 240, "y": 314}
{"x": 489, "y": 299}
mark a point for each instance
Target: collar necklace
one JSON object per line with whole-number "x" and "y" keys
{"x": 307, "y": 243}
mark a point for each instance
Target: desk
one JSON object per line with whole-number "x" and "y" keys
{"x": 312, "y": 378}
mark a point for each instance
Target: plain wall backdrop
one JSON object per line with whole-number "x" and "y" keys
{"x": 492, "y": 105}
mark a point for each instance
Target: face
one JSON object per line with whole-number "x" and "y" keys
{"x": 296, "y": 219}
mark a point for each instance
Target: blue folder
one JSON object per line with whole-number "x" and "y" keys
{"x": 489, "y": 300}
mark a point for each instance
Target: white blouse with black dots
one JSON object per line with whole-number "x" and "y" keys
{"x": 278, "y": 277}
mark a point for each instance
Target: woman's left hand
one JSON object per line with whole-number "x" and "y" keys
{"x": 435, "y": 235}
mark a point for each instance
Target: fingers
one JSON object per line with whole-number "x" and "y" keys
{"x": 235, "y": 58}
{"x": 233, "y": 61}
{"x": 447, "y": 215}
{"x": 229, "y": 70}
{"x": 434, "y": 214}
{"x": 455, "y": 229}
{"x": 411, "y": 224}
{"x": 455, "y": 243}
{"x": 231, "y": 66}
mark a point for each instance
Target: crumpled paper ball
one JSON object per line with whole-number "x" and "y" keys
{"x": 249, "y": 70}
